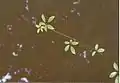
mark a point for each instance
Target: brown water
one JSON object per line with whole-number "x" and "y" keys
{"x": 97, "y": 23}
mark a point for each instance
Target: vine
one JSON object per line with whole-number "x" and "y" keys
{"x": 45, "y": 25}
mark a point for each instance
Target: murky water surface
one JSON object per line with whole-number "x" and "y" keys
{"x": 33, "y": 57}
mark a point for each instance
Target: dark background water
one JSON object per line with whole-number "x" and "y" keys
{"x": 97, "y": 23}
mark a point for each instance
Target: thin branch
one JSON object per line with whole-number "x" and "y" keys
{"x": 63, "y": 34}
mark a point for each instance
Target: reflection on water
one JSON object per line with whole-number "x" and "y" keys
{"x": 79, "y": 45}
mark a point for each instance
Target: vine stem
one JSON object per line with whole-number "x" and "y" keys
{"x": 63, "y": 34}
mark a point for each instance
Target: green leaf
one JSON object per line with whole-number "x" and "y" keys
{"x": 38, "y": 30}
{"x": 51, "y": 19}
{"x": 115, "y": 66}
{"x": 100, "y": 50}
{"x": 113, "y": 74}
{"x": 72, "y": 50}
{"x": 117, "y": 79}
{"x": 66, "y": 42}
{"x": 93, "y": 53}
{"x": 67, "y": 48}
{"x": 96, "y": 46}
{"x": 50, "y": 27}
{"x": 75, "y": 43}
{"x": 43, "y": 18}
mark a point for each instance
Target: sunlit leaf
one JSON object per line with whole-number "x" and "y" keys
{"x": 117, "y": 79}
{"x": 66, "y": 42}
{"x": 93, "y": 53}
{"x": 101, "y": 50}
{"x": 37, "y": 26}
{"x": 113, "y": 74}
{"x": 38, "y": 30}
{"x": 50, "y": 27}
{"x": 67, "y": 48}
{"x": 41, "y": 24}
{"x": 96, "y": 46}
{"x": 72, "y": 50}
{"x": 43, "y": 18}
{"x": 75, "y": 43}
{"x": 115, "y": 66}
{"x": 51, "y": 19}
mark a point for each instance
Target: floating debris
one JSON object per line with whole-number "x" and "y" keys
{"x": 76, "y": 2}
{"x": 14, "y": 54}
{"x": 23, "y": 79}
{"x": 26, "y": 5}
{"x": 73, "y": 10}
{"x": 34, "y": 21}
{"x": 78, "y": 13}
{"x": 53, "y": 42}
{"x": 84, "y": 54}
{"x": 6, "y": 78}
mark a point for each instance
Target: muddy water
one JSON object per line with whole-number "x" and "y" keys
{"x": 91, "y": 22}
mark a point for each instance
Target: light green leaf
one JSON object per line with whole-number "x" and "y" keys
{"x": 41, "y": 24}
{"x": 37, "y": 26}
{"x": 43, "y": 18}
{"x": 72, "y": 50}
{"x": 38, "y": 30}
{"x": 96, "y": 46}
{"x": 93, "y": 53}
{"x": 66, "y": 42}
{"x": 67, "y": 48}
{"x": 113, "y": 74}
{"x": 50, "y": 27}
{"x": 51, "y": 19}
{"x": 115, "y": 66}
{"x": 75, "y": 43}
{"x": 100, "y": 50}
{"x": 117, "y": 79}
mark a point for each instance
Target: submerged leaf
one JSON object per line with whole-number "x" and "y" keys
{"x": 117, "y": 79}
{"x": 66, "y": 42}
{"x": 101, "y": 50}
{"x": 51, "y": 19}
{"x": 43, "y": 18}
{"x": 113, "y": 74}
{"x": 115, "y": 66}
{"x": 72, "y": 50}
{"x": 96, "y": 46}
{"x": 67, "y": 48}
{"x": 93, "y": 53}
{"x": 75, "y": 43}
{"x": 50, "y": 27}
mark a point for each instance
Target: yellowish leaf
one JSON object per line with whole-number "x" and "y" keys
{"x": 43, "y": 18}
{"x": 67, "y": 48}
{"x": 51, "y": 19}
{"x": 72, "y": 50}
{"x": 66, "y": 42}
{"x": 100, "y": 50}
{"x": 96, "y": 46}
{"x": 50, "y": 27}
{"x": 113, "y": 74}
{"x": 93, "y": 53}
